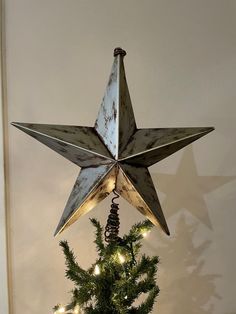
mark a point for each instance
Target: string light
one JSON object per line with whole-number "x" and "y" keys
{"x": 63, "y": 310}
{"x": 145, "y": 233}
{"x": 121, "y": 258}
{"x": 97, "y": 270}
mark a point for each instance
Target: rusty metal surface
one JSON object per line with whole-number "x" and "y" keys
{"x": 113, "y": 154}
{"x": 81, "y": 145}
{"x": 135, "y": 185}
{"x": 115, "y": 122}
{"x": 92, "y": 186}
{"x": 148, "y": 146}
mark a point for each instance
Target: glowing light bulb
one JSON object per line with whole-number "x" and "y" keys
{"x": 126, "y": 297}
{"x": 97, "y": 270}
{"x": 145, "y": 233}
{"x": 76, "y": 310}
{"x": 61, "y": 310}
{"x": 121, "y": 258}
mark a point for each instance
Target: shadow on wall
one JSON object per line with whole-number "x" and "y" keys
{"x": 185, "y": 288}
{"x": 186, "y": 189}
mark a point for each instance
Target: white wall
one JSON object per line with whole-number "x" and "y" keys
{"x": 181, "y": 70}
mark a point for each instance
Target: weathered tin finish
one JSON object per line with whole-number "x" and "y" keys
{"x": 126, "y": 120}
{"x": 136, "y": 186}
{"x": 81, "y": 145}
{"x": 113, "y": 154}
{"x": 91, "y": 187}
{"x": 115, "y": 122}
{"x": 148, "y": 146}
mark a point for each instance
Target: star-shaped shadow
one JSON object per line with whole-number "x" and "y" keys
{"x": 186, "y": 189}
{"x": 184, "y": 279}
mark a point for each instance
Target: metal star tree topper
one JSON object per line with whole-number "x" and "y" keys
{"x": 114, "y": 155}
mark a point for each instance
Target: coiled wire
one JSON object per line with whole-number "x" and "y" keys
{"x": 113, "y": 221}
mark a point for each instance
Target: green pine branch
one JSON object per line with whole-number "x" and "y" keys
{"x": 74, "y": 272}
{"x": 98, "y": 236}
{"x": 117, "y": 278}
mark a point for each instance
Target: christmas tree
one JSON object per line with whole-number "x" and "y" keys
{"x": 117, "y": 279}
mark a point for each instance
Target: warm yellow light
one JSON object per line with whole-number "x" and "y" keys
{"x": 121, "y": 258}
{"x": 110, "y": 184}
{"x": 126, "y": 297}
{"x": 76, "y": 310}
{"x": 61, "y": 310}
{"x": 145, "y": 233}
{"x": 97, "y": 270}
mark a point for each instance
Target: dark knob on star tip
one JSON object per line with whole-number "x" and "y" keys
{"x": 119, "y": 51}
